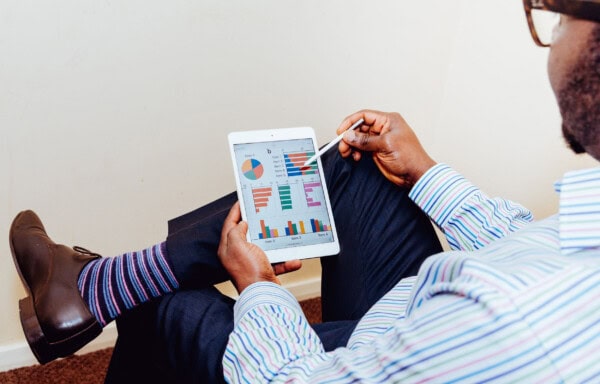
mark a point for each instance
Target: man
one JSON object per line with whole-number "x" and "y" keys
{"x": 515, "y": 302}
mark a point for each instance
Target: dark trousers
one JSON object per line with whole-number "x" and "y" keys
{"x": 181, "y": 337}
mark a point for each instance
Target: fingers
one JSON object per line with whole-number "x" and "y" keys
{"x": 374, "y": 121}
{"x": 287, "y": 266}
{"x": 231, "y": 221}
{"x": 365, "y": 137}
{"x": 344, "y": 148}
{"x": 349, "y": 121}
{"x": 233, "y": 218}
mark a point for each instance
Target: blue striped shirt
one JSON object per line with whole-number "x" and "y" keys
{"x": 513, "y": 301}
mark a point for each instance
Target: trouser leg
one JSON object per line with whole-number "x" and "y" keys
{"x": 135, "y": 357}
{"x": 383, "y": 236}
{"x": 193, "y": 242}
{"x": 181, "y": 338}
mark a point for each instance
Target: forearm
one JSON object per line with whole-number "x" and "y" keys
{"x": 468, "y": 217}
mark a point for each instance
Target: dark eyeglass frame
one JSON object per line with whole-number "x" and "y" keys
{"x": 581, "y": 9}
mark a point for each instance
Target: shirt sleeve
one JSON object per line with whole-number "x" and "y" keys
{"x": 270, "y": 333}
{"x": 468, "y": 218}
{"x": 273, "y": 342}
{"x": 451, "y": 336}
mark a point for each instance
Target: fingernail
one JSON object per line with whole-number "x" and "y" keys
{"x": 350, "y": 135}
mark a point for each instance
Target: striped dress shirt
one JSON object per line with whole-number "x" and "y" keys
{"x": 513, "y": 301}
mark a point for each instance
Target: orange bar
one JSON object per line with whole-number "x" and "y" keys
{"x": 297, "y": 156}
{"x": 265, "y": 189}
{"x": 290, "y": 228}
{"x": 275, "y": 233}
{"x": 263, "y": 228}
{"x": 317, "y": 226}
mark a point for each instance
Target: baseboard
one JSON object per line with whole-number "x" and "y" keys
{"x": 17, "y": 355}
{"x": 306, "y": 289}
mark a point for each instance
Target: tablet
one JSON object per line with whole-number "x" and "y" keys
{"x": 285, "y": 204}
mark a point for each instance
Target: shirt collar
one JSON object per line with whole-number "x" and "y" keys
{"x": 579, "y": 212}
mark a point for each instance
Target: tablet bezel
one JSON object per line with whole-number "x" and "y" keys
{"x": 281, "y": 134}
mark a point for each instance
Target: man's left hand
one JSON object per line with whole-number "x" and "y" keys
{"x": 246, "y": 262}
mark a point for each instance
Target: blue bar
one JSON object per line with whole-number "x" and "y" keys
{"x": 312, "y": 224}
{"x": 287, "y": 231}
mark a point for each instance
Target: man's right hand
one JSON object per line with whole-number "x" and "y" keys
{"x": 394, "y": 146}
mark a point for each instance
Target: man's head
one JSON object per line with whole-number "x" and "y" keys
{"x": 574, "y": 69}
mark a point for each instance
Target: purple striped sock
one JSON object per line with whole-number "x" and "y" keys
{"x": 112, "y": 285}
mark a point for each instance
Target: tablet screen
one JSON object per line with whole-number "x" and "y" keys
{"x": 284, "y": 202}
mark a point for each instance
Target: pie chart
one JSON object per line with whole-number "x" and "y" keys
{"x": 252, "y": 169}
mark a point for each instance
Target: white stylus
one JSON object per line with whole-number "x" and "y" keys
{"x": 332, "y": 143}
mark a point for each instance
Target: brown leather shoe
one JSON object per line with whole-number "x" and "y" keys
{"x": 55, "y": 319}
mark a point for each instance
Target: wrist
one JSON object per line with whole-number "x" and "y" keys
{"x": 242, "y": 284}
{"x": 422, "y": 168}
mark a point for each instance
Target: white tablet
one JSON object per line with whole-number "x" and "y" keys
{"x": 285, "y": 204}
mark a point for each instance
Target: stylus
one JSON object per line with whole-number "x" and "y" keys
{"x": 332, "y": 143}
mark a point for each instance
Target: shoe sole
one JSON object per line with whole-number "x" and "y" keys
{"x": 43, "y": 350}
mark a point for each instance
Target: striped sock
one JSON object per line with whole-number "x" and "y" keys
{"x": 112, "y": 285}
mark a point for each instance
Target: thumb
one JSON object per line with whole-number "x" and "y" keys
{"x": 238, "y": 232}
{"x": 362, "y": 141}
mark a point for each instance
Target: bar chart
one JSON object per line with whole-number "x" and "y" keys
{"x": 314, "y": 194}
{"x": 261, "y": 197}
{"x": 285, "y": 197}
{"x": 294, "y": 164}
{"x": 291, "y": 229}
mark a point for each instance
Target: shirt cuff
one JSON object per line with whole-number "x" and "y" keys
{"x": 440, "y": 191}
{"x": 263, "y": 293}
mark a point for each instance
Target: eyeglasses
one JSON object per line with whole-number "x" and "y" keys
{"x": 544, "y": 15}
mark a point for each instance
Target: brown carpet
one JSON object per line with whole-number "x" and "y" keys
{"x": 91, "y": 368}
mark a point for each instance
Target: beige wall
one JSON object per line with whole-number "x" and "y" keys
{"x": 113, "y": 115}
